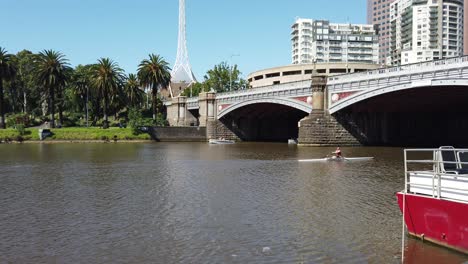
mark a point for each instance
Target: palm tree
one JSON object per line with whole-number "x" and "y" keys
{"x": 51, "y": 72}
{"x": 81, "y": 85}
{"x": 107, "y": 78}
{"x": 133, "y": 91}
{"x": 155, "y": 74}
{"x": 7, "y": 71}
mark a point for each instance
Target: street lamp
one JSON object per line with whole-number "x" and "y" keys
{"x": 230, "y": 71}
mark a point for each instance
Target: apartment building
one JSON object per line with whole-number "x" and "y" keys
{"x": 465, "y": 26}
{"x": 423, "y": 30}
{"x": 378, "y": 14}
{"x": 322, "y": 41}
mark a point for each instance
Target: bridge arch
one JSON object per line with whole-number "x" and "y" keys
{"x": 293, "y": 103}
{"x": 371, "y": 93}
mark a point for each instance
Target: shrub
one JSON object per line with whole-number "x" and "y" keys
{"x": 160, "y": 120}
{"x": 20, "y": 129}
{"x": 135, "y": 120}
{"x": 16, "y": 119}
{"x": 72, "y": 119}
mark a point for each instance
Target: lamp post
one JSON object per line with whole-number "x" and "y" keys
{"x": 230, "y": 71}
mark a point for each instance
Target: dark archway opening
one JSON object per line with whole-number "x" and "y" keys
{"x": 195, "y": 117}
{"x": 419, "y": 117}
{"x": 264, "y": 122}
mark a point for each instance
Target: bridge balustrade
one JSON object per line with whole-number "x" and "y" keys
{"x": 374, "y": 78}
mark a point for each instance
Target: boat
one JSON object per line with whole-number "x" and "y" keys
{"x": 434, "y": 201}
{"x": 292, "y": 141}
{"x": 337, "y": 159}
{"x": 221, "y": 141}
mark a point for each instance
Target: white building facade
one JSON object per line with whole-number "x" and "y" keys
{"x": 322, "y": 41}
{"x": 424, "y": 30}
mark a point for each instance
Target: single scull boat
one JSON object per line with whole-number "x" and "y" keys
{"x": 337, "y": 159}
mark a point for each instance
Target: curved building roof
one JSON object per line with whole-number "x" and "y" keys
{"x": 300, "y": 72}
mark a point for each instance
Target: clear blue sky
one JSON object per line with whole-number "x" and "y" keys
{"x": 128, "y": 30}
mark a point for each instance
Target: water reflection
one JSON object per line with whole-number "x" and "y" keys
{"x": 417, "y": 251}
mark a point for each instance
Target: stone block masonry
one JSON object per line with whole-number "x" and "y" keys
{"x": 216, "y": 129}
{"x": 322, "y": 129}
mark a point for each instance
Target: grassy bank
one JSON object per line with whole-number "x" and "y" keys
{"x": 76, "y": 133}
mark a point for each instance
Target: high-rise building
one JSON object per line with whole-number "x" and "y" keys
{"x": 378, "y": 14}
{"x": 322, "y": 41}
{"x": 465, "y": 26}
{"x": 423, "y": 30}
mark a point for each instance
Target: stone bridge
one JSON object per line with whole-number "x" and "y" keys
{"x": 389, "y": 106}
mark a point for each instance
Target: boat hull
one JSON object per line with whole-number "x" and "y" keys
{"x": 442, "y": 222}
{"x": 337, "y": 159}
{"x": 221, "y": 141}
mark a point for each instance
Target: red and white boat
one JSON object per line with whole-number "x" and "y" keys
{"x": 434, "y": 202}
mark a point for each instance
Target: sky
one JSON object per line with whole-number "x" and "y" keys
{"x": 254, "y": 34}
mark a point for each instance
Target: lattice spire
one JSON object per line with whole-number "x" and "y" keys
{"x": 182, "y": 71}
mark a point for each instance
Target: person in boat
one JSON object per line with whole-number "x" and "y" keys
{"x": 337, "y": 153}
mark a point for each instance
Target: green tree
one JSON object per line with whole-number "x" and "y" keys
{"x": 51, "y": 67}
{"x": 133, "y": 91}
{"x": 7, "y": 72}
{"x": 28, "y": 95}
{"x": 195, "y": 89}
{"x": 107, "y": 78}
{"x": 81, "y": 81}
{"x": 223, "y": 78}
{"x": 155, "y": 74}
{"x": 62, "y": 91}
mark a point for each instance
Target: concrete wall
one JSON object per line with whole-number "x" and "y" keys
{"x": 179, "y": 134}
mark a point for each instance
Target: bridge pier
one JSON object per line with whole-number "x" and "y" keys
{"x": 178, "y": 114}
{"x": 207, "y": 108}
{"x": 320, "y": 128}
{"x": 216, "y": 129}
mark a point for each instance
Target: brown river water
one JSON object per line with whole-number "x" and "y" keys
{"x": 201, "y": 203}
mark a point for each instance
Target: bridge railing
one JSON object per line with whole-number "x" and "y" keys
{"x": 260, "y": 89}
{"x": 192, "y": 102}
{"x": 421, "y": 66}
{"x": 265, "y": 89}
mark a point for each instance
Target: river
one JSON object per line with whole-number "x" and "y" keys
{"x": 201, "y": 203}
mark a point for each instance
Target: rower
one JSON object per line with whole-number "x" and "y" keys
{"x": 337, "y": 153}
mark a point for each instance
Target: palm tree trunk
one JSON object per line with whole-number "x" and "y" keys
{"x": 25, "y": 102}
{"x": 155, "y": 106}
{"x": 52, "y": 107}
{"x": 105, "y": 122}
{"x": 2, "y": 108}
{"x": 60, "y": 106}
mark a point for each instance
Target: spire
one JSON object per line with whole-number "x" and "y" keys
{"x": 182, "y": 71}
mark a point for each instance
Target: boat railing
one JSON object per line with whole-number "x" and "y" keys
{"x": 440, "y": 173}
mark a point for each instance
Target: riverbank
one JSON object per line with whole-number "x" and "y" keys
{"x": 75, "y": 134}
